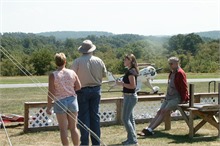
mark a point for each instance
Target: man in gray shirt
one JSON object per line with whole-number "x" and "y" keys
{"x": 90, "y": 70}
{"x": 177, "y": 92}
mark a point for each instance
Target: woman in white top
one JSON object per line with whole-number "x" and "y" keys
{"x": 62, "y": 86}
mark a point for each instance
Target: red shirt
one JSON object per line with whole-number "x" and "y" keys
{"x": 181, "y": 84}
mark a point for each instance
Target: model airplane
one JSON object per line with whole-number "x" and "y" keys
{"x": 146, "y": 75}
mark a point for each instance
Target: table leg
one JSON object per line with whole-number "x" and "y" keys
{"x": 191, "y": 125}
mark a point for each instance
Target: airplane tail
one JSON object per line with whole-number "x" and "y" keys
{"x": 110, "y": 76}
{"x": 111, "y": 80}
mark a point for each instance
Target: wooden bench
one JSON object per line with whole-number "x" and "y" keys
{"x": 207, "y": 112}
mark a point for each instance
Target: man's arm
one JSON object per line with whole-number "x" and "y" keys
{"x": 183, "y": 88}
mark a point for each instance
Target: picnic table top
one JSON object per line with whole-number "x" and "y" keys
{"x": 202, "y": 106}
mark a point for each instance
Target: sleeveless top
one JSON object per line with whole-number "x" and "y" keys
{"x": 64, "y": 81}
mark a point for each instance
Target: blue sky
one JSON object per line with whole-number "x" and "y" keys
{"x": 146, "y": 17}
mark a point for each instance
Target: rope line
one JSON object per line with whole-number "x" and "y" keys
{"x": 6, "y": 133}
{"x": 35, "y": 81}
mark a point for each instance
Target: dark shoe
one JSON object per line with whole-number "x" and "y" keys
{"x": 145, "y": 132}
{"x": 125, "y": 142}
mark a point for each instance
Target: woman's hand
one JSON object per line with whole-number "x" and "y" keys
{"x": 48, "y": 111}
{"x": 120, "y": 83}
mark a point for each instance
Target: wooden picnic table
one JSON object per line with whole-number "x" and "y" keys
{"x": 209, "y": 113}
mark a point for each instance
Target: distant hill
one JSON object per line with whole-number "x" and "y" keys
{"x": 74, "y": 34}
{"x": 83, "y": 34}
{"x": 209, "y": 34}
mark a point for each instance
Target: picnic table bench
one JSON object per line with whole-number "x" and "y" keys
{"x": 209, "y": 113}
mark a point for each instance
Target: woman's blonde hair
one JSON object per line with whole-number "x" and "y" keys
{"x": 60, "y": 59}
{"x": 133, "y": 60}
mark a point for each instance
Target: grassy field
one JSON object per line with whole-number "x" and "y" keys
{"x": 12, "y": 101}
{"x": 114, "y": 135}
{"x": 23, "y": 79}
{"x": 44, "y": 79}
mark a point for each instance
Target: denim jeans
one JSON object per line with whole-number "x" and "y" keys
{"x": 128, "y": 116}
{"x": 88, "y": 100}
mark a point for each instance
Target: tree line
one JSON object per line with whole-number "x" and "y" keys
{"x": 36, "y": 52}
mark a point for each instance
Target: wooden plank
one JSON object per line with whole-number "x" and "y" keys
{"x": 183, "y": 105}
{"x": 191, "y": 124}
{"x": 119, "y": 106}
{"x": 203, "y": 106}
{"x": 191, "y": 116}
{"x": 192, "y": 109}
{"x": 191, "y": 95}
{"x": 208, "y": 117}
{"x": 111, "y": 99}
{"x": 167, "y": 121}
{"x": 144, "y": 93}
{"x": 200, "y": 125}
{"x": 205, "y": 94}
{"x": 216, "y": 120}
{"x": 184, "y": 115}
{"x": 207, "y": 107}
{"x": 26, "y": 116}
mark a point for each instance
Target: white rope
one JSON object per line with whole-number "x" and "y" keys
{"x": 30, "y": 76}
{"x": 6, "y": 133}
{"x": 80, "y": 123}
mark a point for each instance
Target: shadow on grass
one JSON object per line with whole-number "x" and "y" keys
{"x": 14, "y": 126}
{"x": 181, "y": 139}
{"x": 18, "y": 134}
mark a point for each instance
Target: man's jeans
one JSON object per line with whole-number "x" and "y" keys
{"x": 128, "y": 116}
{"x": 88, "y": 100}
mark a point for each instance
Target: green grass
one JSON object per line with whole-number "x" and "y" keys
{"x": 12, "y": 101}
{"x": 23, "y": 79}
{"x": 44, "y": 79}
{"x": 114, "y": 135}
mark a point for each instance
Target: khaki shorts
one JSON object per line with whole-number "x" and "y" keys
{"x": 170, "y": 104}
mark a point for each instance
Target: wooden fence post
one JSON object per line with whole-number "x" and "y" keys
{"x": 26, "y": 116}
{"x": 219, "y": 110}
{"x": 191, "y": 95}
{"x": 191, "y": 116}
{"x": 119, "y": 105}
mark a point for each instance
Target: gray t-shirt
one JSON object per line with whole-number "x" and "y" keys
{"x": 90, "y": 70}
{"x": 171, "y": 89}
